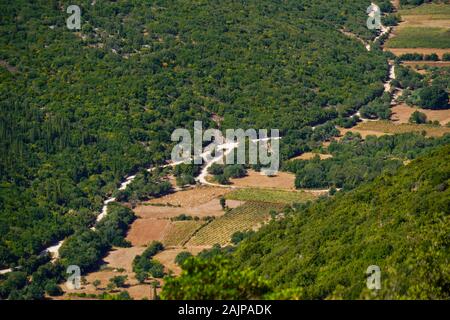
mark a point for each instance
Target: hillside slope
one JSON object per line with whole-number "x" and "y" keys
{"x": 400, "y": 223}
{"x": 322, "y": 250}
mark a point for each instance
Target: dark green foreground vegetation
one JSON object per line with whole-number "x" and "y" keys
{"x": 321, "y": 250}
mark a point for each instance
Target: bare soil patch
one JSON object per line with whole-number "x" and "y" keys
{"x": 311, "y": 155}
{"x": 122, "y": 258}
{"x": 167, "y": 257}
{"x": 191, "y": 197}
{"x": 144, "y": 231}
{"x": 401, "y": 114}
{"x": 283, "y": 180}
{"x": 396, "y": 4}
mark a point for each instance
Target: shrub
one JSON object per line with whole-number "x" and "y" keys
{"x": 14, "y": 281}
{"x": 182, "y": 256}
{"x": 118, "y": 281}
{"x": 431, "y": 57}
{"x": 52, "y": 289}
{"x": 157, "y": 269}
{"x": 141, "y": 277}
{"x": 222, "y": 179}
{"x": 411, "y": 57}
{"x": 216, "y": 169}
{"x": 181, "y": 217}
{"x": 433, "y": 97}
{"x": 239, "y": 236}
{"x": 234, "y": 171}
{"x": 145, "y": 265}
{"x": 418, "y": 117}
{"x": 185, "y": 179}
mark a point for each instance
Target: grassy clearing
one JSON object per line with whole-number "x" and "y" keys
{"x": 437, "y": 10}
{"x": 272, "y": 196}
{"x": 249, "y": 216}
{"x": 389, "y": 127}
{"x": 180, "y": 232}
{"x": 416, "y": 37}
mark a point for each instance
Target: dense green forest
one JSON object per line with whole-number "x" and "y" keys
{"x": 399, "y": 222}
{"x": 80, "y": 110}
{"x": 356, "y": 160}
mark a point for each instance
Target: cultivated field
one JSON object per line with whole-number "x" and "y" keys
{"x": 387, "y": 127}
{"x": 283, "y": 180}
{"x": 249, "y": 216}
{"x": 363, "y": 132}
{"x": 144, "y": 231}
{"x": 270, "y": 196}
{"x": 198, "y": 201}
{"x": 179, "y": 232}
{"x": 424, "y": 29}
{"x": 420, "y": 37}
{"x": 418, "y": 66}
{"x": 191, "y": 197}
{"x": 400, "y": 51}
{"x": 311, "y": 155}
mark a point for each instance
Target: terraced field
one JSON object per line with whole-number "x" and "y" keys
{"x": 388, "y": 127}
{"x": 271, "y": 196}
{"x": 249, "y": 216}
{"x": 424, "y": 29}
{"x": 179, "y": 232}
